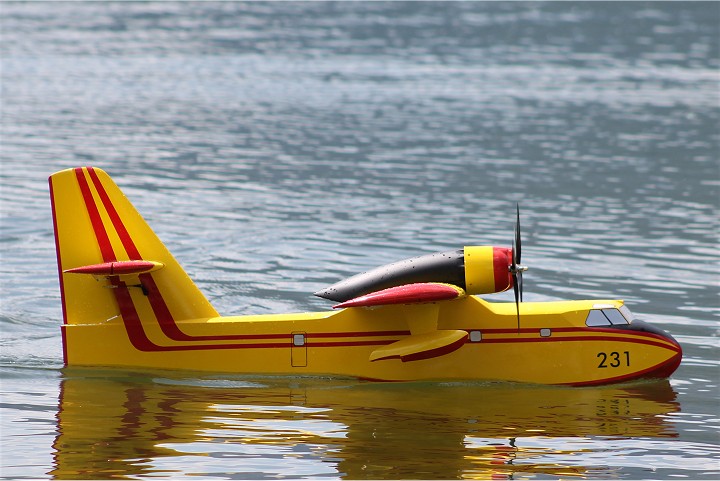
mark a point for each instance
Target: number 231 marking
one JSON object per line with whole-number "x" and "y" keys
{"x": 614, "y": 359}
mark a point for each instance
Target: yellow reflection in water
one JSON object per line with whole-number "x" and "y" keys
{"x": 118, "y": 425}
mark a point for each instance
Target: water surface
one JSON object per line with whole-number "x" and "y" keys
{"x": 277, "y": 148}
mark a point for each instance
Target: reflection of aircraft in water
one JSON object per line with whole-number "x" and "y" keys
{"x": 114, "y": 424}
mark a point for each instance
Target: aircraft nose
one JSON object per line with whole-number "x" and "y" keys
{"x": 643, "y": 326}
{"x": 663, "y": 369}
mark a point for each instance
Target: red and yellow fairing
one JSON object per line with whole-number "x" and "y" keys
{"x": 486, "y": 269}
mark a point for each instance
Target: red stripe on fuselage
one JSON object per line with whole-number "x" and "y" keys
{"x": 358, "y": 334}
{"x": 659, "y": 371}
{"x": 577, "y": 338}
{"x": 163, "y": 314}
{"x": 638, "y": 337}
{"x": 133, "y": 326}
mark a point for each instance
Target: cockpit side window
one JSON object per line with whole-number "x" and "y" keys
{"x": 596, "y": 318}
{"x": 605, "y": 317}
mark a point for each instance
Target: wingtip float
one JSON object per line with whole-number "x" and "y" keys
{"x": 127, "y": 302}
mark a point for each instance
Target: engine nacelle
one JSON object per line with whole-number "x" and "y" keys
{"x": 477, "y": 269}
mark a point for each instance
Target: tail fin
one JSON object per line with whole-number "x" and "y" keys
{"x": 111, "y": 264}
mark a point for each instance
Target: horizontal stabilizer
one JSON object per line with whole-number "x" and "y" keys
{"x": 422, "y": 346}
{"x": 407, "y": 294}
{"x": 117, "y": 268}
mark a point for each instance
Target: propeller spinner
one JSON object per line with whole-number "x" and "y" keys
{"x": 515, "y": 268}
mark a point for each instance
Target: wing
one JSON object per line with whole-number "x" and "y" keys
{"x": 421, "y": 311}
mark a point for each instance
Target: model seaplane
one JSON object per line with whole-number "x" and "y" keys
{"x": 127, "y": 302}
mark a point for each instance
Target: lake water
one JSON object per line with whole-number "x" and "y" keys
{"x": 277, "y": 148}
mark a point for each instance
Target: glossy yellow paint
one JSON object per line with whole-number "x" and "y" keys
{"x": 344, "y": 343}
{"x": 479, "y": 269}
{"x": 417, "y": 346}
{"x": 77, "y": 198}
{"x": 160, "y": 319}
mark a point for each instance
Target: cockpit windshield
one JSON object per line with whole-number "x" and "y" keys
{"x": 626, "y": 313}
{"x": 608, "y": 317}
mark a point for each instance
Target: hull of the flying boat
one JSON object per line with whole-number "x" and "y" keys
{"x": 127, "y": 302}
{"x": 339, "y": 343}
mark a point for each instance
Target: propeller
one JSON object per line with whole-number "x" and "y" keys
{"x": 515, "y": 268}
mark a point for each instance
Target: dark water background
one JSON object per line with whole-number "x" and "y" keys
{"x": 279, "y": 147}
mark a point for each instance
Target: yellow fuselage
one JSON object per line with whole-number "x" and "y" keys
{"x": 553, "y": 345}
{"x": 128, "y": 302}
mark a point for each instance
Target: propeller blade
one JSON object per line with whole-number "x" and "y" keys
{"x": 520, "y": 285}
{"x": 513, "y": 259}
{"x": 518, "y": 241}
{"x": 517, "y": 299}
{"x": 515, "y": 268}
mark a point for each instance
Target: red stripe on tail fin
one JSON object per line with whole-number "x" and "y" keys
{"x": 117, "y": 222}
{"x": 103, "y": 240}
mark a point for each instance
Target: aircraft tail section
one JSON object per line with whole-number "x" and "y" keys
{"x": 111, "y": 264}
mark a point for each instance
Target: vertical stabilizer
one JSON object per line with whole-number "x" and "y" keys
{"x": 112, "y": 266}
